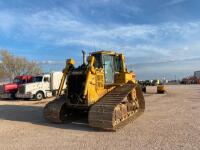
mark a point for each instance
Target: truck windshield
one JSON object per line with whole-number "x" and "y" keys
{"x": 37, "y": 79}
{"x": 17, "y": 80}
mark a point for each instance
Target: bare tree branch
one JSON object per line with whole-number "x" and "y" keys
{"x": 12, "y": 66}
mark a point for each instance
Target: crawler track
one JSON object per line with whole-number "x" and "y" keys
{"x": 117, "y": 108}
{"x": 54, "y": 111}
{"x": 111, "y": 112}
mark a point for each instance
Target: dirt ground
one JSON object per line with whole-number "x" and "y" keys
{"x": 171, "y": 121}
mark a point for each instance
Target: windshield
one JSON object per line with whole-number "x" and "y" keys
{"x": 37, "y": 79}
{"x": 17, "y": 80}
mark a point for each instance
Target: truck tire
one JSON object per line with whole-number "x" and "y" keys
{"x": 144, "y": 89}
{"x": 54, "y": 92}
{"x": 39, "y": 95}
{"x": 12, "y": 96}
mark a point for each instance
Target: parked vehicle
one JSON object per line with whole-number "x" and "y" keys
{"x": 43, "y": 86}
{"x": 143, "y": 85}
{"x": 161, "y": 89}
{"x": 10, "y": 89}
{"x": 155, "y": 82}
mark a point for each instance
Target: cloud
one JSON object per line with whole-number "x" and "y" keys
{"x": 61, "y": 28}
{"x": 143, "y": 44}
{"x": 152, "y": 63}
{"x": 7, "y": 21}
{"x": 50, "y": 62}
{"x": 174, "y": 2}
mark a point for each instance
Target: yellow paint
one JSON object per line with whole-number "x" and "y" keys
{"x": 160, "y": 88}
{"x": 70, "y": 63}
{"x": 95, "y": 87}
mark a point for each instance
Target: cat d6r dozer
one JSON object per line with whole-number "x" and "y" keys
{"x": 102, "y": 87}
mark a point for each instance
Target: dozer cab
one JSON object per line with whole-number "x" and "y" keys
{"x": 102, "y": 87}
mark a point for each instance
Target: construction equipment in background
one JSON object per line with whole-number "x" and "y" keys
{"x": 160, "y": 89}
{"x": 143, "y": 85}
{"x": 159, "y": 86}
{"x": 155, "y": 82}
{"x": 102, "y": 87}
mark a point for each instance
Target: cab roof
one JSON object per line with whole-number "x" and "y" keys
{"x": 24, "y": 76}
{"x": 105, "y": 52}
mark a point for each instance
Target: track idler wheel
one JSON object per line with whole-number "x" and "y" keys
{"x": 56, "y": 111}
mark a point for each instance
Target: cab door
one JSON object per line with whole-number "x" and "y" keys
{"x": 46, "y": 83}
{"x": 108, "y": 65}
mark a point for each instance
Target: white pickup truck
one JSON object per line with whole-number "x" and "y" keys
{"x": 42, "y": 86}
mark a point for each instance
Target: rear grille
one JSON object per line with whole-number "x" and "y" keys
{"x": 76, "y": 85}
{"x": 21, "y": 90}
{"x": 1, "y": 89}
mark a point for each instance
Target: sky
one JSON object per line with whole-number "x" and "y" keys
{"x": 160, "y": 38}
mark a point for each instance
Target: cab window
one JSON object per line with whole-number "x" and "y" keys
{"x": 37, "y": 79}
{"x": 17, "y": 80}
{"x": 117, "y": 63}
{"x": 23, "y": 81}
{"x": 46, "y": 79}
{"x": 98, "y": 61}
{"x": 108, "y": 68}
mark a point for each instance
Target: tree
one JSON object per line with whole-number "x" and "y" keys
{"x": 2, "y": 74}
{"x": 12, "y": 66}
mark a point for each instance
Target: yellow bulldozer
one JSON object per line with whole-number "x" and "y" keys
{"x": 102, "y": 87}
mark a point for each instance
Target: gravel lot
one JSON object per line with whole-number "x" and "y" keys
{"x": 171, "y": 121}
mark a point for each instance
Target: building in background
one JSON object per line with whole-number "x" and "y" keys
{"x": 197, "y": 74}
{"x": 195, "y": 79}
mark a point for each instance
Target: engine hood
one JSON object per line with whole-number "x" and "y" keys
{"x": 32, "y": 86}
{"x": 10, "y": 87}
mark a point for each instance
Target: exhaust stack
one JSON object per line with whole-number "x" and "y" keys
{"x": 84, "y": 57}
